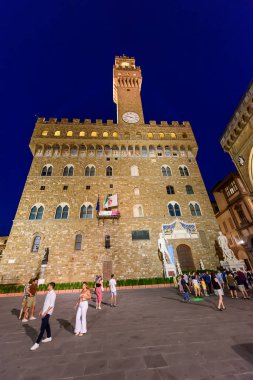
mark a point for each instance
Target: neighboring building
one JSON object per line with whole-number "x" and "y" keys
{"x": 237, "y": 139}
{"x": 152, "y": 169}
{"x": 3, "y": 242}
{"x": 235, "y": 216}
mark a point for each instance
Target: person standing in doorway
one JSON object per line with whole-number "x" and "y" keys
{"x": 98, "y": 290}
{"x": 82, "y": 308}
{"x": 112, "y": 284}
{"x": 45, "y": 314}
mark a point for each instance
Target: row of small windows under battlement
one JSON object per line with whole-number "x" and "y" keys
{"x": 123, "y": 151}
{"x": 114, "y": 135}
{"x": 87, "y": 211}
{"x": 90, "y": 171}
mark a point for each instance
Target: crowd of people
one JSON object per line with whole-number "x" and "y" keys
{"x": 207, "y": 284}
{"x": 29, "y": 302}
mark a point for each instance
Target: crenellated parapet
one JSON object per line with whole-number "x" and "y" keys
{"x": 240, "y": 119}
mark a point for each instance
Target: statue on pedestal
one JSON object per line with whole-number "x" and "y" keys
{"x": 45, "y": 258}
{"x": 228, "y": 254}
{"x": 202, "y": 266}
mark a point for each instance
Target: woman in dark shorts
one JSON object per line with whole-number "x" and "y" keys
{"x": 231, "y": 285}
{"x": 218, "y": 291}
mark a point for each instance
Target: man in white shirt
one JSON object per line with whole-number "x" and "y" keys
{"x": 45, "y": 313}
{"x": 112, "y": 284}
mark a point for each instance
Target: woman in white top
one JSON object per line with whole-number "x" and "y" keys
{"x": 82, "y": 307}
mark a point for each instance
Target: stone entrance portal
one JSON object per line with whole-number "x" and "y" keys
{"x": 185, "y": 258}
{"x": 107, "y": 270}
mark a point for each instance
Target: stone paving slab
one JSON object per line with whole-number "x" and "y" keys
{"x": 151, "y": 335}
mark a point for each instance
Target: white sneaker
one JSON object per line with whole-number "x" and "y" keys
{"x": 34, "y": 347}
{"x": 24, "y": 320}
{"x": 32, "y": 318}
{"x": 47, "y": 340}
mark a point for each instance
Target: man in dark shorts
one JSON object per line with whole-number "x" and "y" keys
{"x": 186, "y": 290}
{"x": 31, "y": 300}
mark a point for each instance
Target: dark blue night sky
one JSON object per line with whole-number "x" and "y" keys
{"x": 57, "y": 56}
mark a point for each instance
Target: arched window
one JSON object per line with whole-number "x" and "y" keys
{"x": 130, "y": 150}
{"x": 115, "y": 151}
{"x": 115, "y": 135}
{"x": 74, "y": 151}
{"x": 94, "y": 134}
{"x": 175, "y": 151}
{"x": 44, "y": 133}
{"x": 109, "y": 171}
{"x": 91, "y": 151}
{"x": 189, "y": 189}
{"x": 105, "y": 134}
{"x": 56, "y": 150}
{"x": 173, "y": 135}
{"x": 136, "y": 191}
{"x": 90, "y": 171}
{"x": 36, "y": 243}
{"x": 159, "y": 151}
{"x": 144, "y": 151}
{"x": 99, "y": 151}
{"x": 107, "y": 241}
{"x": 167, "y": 151}
{"x": 170, "y": 189}
{"x": 151, "y": 151}
{"x": 68, "y": 171}
{"x": 86, "y": 211}
{"x": 78, "y": 242}
{"x": 123, "y": 151}
{"x": 65, "y": 150}
{"x": 82, "y": 134}
{"x": 138, "y": 211}
{"x": 174, "y": 209}
{"x": 47, "y": 151}
{"x": 69, "y": 134}
{"x": 195, "y": 209}
{"x": 137, "y": 150}
{"x": 82, "y": 151}
{"x": 57, "y": 133}
{"x": 47, "y": 171}
{"x": 62, "y": 212}
{"x": 182, "y": 151}
{"x": 166, "y": 171}
{"x": 134, "y": 171}
{"x": 183, "y": 170}
{"x": 107, "y": 151}
{"x": 36, "y": 212}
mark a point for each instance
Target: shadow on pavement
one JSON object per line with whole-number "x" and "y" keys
{"x": 210, "y": 306}
{"x": 30, "y": 331}
{"x": 15, "y": 312}
{"x": 245, "y": 351}
{"x": 66, "y": 325}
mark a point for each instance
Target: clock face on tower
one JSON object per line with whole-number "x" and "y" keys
{"x": 131, "y": 117}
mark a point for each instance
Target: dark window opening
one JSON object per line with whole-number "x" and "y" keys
{"x": 140, "y": 235}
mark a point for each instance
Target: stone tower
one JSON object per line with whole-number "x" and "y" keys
{"x": 146, "y": 174}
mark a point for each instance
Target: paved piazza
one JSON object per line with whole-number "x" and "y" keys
{"x": 151, "y": 335}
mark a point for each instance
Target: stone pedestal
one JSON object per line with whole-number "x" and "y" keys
{"x": 170, "y": 270}
{"x": 233, "y": 265}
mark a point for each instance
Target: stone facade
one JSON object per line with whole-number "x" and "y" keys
{"x": 237, "y": 138}
{"x": 235, "y": 216}
{"x": 136, "y": 153}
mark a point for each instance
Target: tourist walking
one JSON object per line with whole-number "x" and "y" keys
{"x": 31, "y": 300}
{"x": 113, "y": 290}
{"x": 98, "y": 290}
{"x": 231, "y": 285}
{"x": 241, "y": 279}
{"x": 218, "y": 291}
{"x": 203, "y": 285}
{"x": 45, "y": 314}
{"x": 186, "y": 289}
{"x": 219, "y": 276}
{"x": 82, "y": 308}
{"x": 208, "y": 282}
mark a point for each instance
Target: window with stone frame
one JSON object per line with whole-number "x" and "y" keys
{"x": 189, "y": 189}
{"x": 183, "y": 171}
{"x": 195, "y": 209}
{"x": 170, "y": 189}
{"x": 36, "y": 212}
{"x": 62, "y": 212}
{"x": 47, "y": 171}
{"x": 174, "y": 209}
{"x": 86, "y": 212}
{"x": 36, "y": 243}
{"x": 166, "y": 171}
{"x": 109, "y": 171}
{"x": 68, "y": 171}
{"x": 90, "y": 171}
{"x": 78, "y": 242}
